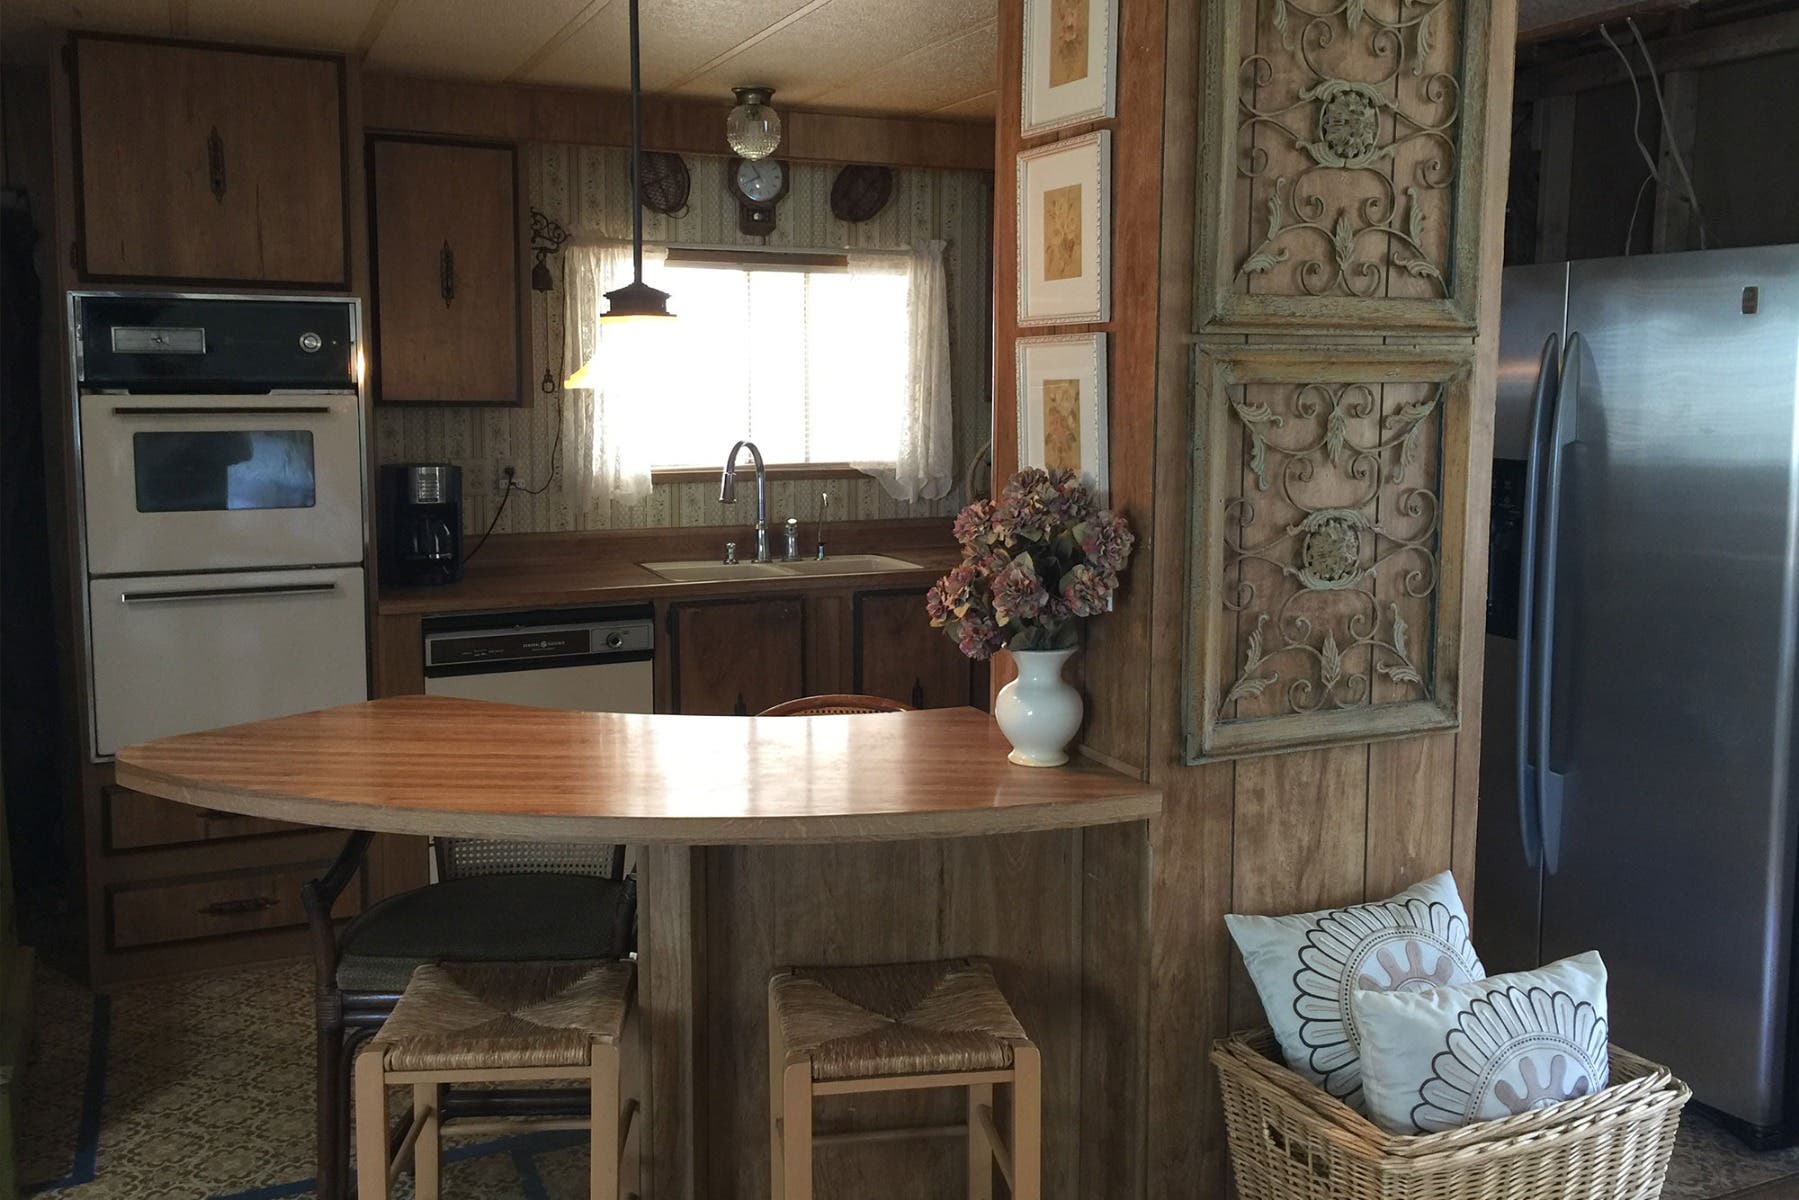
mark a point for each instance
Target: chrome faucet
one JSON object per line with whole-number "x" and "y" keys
{"x": 727, "y": 492}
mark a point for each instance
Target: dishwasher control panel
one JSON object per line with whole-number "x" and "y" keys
{"x": 521, "y": 640}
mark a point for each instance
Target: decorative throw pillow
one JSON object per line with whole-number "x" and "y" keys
{"x": 1451, "y": 1056}
{"x": 1305, "y": 967}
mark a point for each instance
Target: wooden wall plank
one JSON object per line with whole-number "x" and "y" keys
{"x": 1411, "y": 812}
{"x": 1503, "y": 31}
{"x": 514, "y": 112}
{"x": 1297, "y": 842}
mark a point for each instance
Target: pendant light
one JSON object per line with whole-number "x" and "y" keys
{"x": 637, "y": 301}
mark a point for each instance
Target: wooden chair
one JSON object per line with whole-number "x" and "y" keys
{"x": 459, "y": 1023}
{"x": 496, "y": 902}
{"x": 835, "y": 1031}
{"x": 834, "y": 706}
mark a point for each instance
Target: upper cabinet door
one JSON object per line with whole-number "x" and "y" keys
{"x": 203, "y": 165}
{"x": 1340, "y": 166}
{"x": 447, "y": 289}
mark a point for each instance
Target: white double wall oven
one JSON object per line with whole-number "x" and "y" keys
{"x": 222, "y": 481}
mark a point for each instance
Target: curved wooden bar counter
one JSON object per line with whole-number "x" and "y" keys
{"x": 765, "y": 842}
{"x": 468, "y": 768}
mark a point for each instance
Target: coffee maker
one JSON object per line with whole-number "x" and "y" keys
{"x": 420, "y": 523}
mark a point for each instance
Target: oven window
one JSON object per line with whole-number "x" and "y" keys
{"x": 224, "y": 470}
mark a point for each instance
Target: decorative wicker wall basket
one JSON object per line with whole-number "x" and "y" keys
{"x": 1290, "y": 1140}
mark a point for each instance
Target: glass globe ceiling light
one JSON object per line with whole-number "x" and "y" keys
{"x": 754, "y": 128}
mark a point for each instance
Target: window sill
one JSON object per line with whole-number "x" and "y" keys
{"x": 746, "y": 467}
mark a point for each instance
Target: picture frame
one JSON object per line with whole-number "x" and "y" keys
{"x": 1062, "y": 417}
{"x": 1070, "y": 63}
{"x": 1065, "y": 231}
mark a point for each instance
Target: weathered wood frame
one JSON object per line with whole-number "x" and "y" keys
{"x": 1216, "y": 468}
{"x": 1219, "y": 308}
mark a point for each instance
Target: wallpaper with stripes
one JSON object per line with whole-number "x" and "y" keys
{"x": 588, "y": 188}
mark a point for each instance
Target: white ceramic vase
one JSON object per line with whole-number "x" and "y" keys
{"x": 1039, "y": 712}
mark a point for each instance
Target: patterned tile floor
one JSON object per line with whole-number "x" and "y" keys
{"x": 201, "y": 1089}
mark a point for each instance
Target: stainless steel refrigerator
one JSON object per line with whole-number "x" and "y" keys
{"x": 1637, "y": 785}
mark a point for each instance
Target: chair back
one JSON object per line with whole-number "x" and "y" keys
{"x": 462, "y": 858}
{"x": 834, "y": 706}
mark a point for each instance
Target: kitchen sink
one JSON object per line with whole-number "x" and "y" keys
{"x": 710, "y": 571}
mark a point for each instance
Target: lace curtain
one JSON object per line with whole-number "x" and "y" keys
{"x": 922, "y": 466}
{"x": 605, "y": 429}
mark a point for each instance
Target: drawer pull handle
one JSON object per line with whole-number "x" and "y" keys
{"x": 215, "y": 164}
{"x": 238, "y": 908}
{"x": 284, "y": 589}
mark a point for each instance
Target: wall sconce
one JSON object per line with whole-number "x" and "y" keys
{"x": 547, "y": 236}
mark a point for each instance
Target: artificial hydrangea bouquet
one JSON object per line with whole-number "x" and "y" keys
{"x": 1034, "y": 563}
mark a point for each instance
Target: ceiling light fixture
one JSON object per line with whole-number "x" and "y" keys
{"x": 754, "y": 128}
{"x": 637, "y": 300}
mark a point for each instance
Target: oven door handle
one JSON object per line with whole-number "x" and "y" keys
{"x": 236, "y": 593}
{"x": 235, "y": 410}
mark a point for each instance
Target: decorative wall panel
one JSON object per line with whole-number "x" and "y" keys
{"x": 1340, "y": 182}
{"x": 1329, "y": 545}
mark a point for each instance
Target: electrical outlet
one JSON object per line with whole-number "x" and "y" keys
{"x": 504, "y": 478}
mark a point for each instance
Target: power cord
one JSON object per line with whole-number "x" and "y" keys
{"x": 1680, "y": 162}
{"x": 513, "y": 485}
{"x": 1636, "y": 133}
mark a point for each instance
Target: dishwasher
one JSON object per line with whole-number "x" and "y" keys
{"x": 584, "y": 659}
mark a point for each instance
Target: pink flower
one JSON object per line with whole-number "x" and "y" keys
{"x": 1106, "y": 541}
{"x": 1018, "y": 593}
{"x": 977, "y": 637}
{"x": 974, "y": 524}
{"x": 950, "y": 597}
{"x": 1086, "y": 589}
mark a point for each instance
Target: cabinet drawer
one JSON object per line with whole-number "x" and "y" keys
{"x": 135, "y": 821}
{"x": 184, "y": 910}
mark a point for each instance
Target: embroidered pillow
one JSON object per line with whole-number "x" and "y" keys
{"x": 1305, "y": 968}
{"x": 1448, "y": 1057}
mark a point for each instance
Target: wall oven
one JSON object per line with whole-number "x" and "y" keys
{"x": 222, "y": 483}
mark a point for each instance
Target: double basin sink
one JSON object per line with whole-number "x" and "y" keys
{"x": 710, "y": 571}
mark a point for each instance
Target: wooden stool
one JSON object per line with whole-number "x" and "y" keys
{"x": 835, "y": 1031}
{"x": 494, "y": 1023}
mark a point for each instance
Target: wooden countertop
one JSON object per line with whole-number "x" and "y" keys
{"x": 466, "y": 768}
{"x": 554, "y": 585}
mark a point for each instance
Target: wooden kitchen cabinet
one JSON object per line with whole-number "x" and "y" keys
{"x": 206, "y": 165}
{"x": 736, "y": 657}
{"x": 447, "y": 248}
{"x": 898, "y": 655}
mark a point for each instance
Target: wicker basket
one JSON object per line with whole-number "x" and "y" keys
{"x": 1291, "y": 1140}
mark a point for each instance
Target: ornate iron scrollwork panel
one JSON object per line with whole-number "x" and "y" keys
{"x": 1329, "y": 578}
{"x": 1347, "y": 168}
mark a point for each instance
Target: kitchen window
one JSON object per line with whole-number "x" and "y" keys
{"x": 810, "y": 364}
{"x": 829, "y": 359}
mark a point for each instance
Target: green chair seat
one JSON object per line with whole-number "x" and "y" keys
{"x": 486, "y": 918}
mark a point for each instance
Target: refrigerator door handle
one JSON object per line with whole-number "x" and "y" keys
{"x": 1542, "y": 407}
{"x": 1564, "y": 432}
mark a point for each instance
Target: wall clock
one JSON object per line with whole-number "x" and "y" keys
{"x": 759, "y": 185}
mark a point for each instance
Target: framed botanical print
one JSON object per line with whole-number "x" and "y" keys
{"x": 1062, "y": 406}
{"x": 1070, "y": 63}
{"x": 1065, "y": 231}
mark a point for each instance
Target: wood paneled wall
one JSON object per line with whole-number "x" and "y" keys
{"x": 1279, "y": 832}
